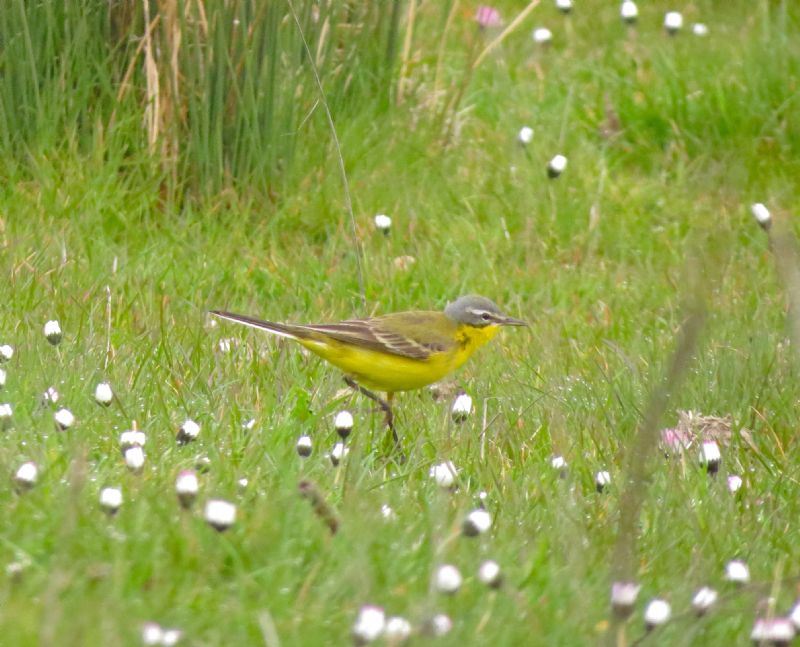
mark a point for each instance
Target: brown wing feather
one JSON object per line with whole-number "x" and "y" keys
{"x": 379, "y": 334}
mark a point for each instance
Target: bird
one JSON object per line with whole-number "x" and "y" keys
{"x": 395, "y": 352}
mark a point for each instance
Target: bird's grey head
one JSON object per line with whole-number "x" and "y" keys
{"x": 474, "y": 310}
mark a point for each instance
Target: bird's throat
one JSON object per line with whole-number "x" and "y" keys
{"x": 471, "y": 338}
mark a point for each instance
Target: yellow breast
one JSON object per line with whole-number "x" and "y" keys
{"x": 388, "y": 372}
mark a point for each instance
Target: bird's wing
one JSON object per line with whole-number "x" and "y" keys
{"x": 415, "y": 335}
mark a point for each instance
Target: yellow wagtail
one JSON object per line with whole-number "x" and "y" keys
{"x": 399, "y": 351}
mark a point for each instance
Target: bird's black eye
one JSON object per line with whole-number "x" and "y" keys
{"x": 486, "y": 316}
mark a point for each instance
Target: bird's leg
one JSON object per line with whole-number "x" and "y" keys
{"x": 385, "y": 405}
{"x": 390, "y": 417}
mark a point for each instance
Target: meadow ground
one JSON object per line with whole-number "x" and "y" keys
{"x": 669, "y": 141}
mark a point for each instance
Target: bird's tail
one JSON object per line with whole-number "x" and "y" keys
{"x": 283, "y": 330}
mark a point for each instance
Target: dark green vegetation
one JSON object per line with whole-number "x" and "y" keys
{"x": 218, "y": 186}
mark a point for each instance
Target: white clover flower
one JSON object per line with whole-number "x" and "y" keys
{"x": 564, "y": 6}
{"x": 227, "y": 344}
{"x": 103, "y": 394}
{"x": 602, "y": 479}
{"x": 64, "y": 419}
{"x": 152, "y": 634}
{"x": 52, "y": 331}
{"x": 542, "y": 35}
{"x": 397, "y": 630}
{"x": 623, "y": 597}
{"x": 703, "y": 600}
{"x": 761, "y": 214}
{"x": 772, "y": 631}
{"x": 110, "y": 499}
{"x": 556, "y": 166}
{"x": 476, "y": 523}
{"x": 673, "y": 21}
{"x": 187, "y": 432}
{"x": 220, "y": 514}
{"x": 369, "y": 624}
{"x": 657, "y": 613}
{"x": 710, "y": 456}
{"x": 304, "y": 446}
{"x": 448, "y": 579}
{"x": 26, "y": 476}
{"x": 700, "y": 29}
{"x": 6, "y": 411}
{"x": 462, "y": 408}
{"x": 131, "y": 438}
{"x": 440, "y": 624}
{"x": 383, "y": 223}
{"x": 559, "y": 463}
{"x": 171, "y": 637}
{"x": 51, "y": 396}
{"x": 186, "y": 487}
{"x": 2, "y": 378}
{"x": 736, "y": 571}
{"x": 387, "y": 512}
{"x": 444, "y": 474}
{"x": 6, "y": 353}
{"x": 338, "y": 453}
{"x": 525, "y": 135}
{"x": 734, "y": 483}
{"x": 14, "y": 570}
{"x": 134, "y": 458}
{"x": 343, "y": 423}
{"x": 489, "y": 573}
{"x": 628, "y": 11}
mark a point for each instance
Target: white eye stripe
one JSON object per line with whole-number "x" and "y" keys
{"x": 484, "y": 315}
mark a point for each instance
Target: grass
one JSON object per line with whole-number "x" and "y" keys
{"x": 604, "y": 262}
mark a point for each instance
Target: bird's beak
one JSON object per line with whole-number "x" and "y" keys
{"x": 510, "y": 321}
